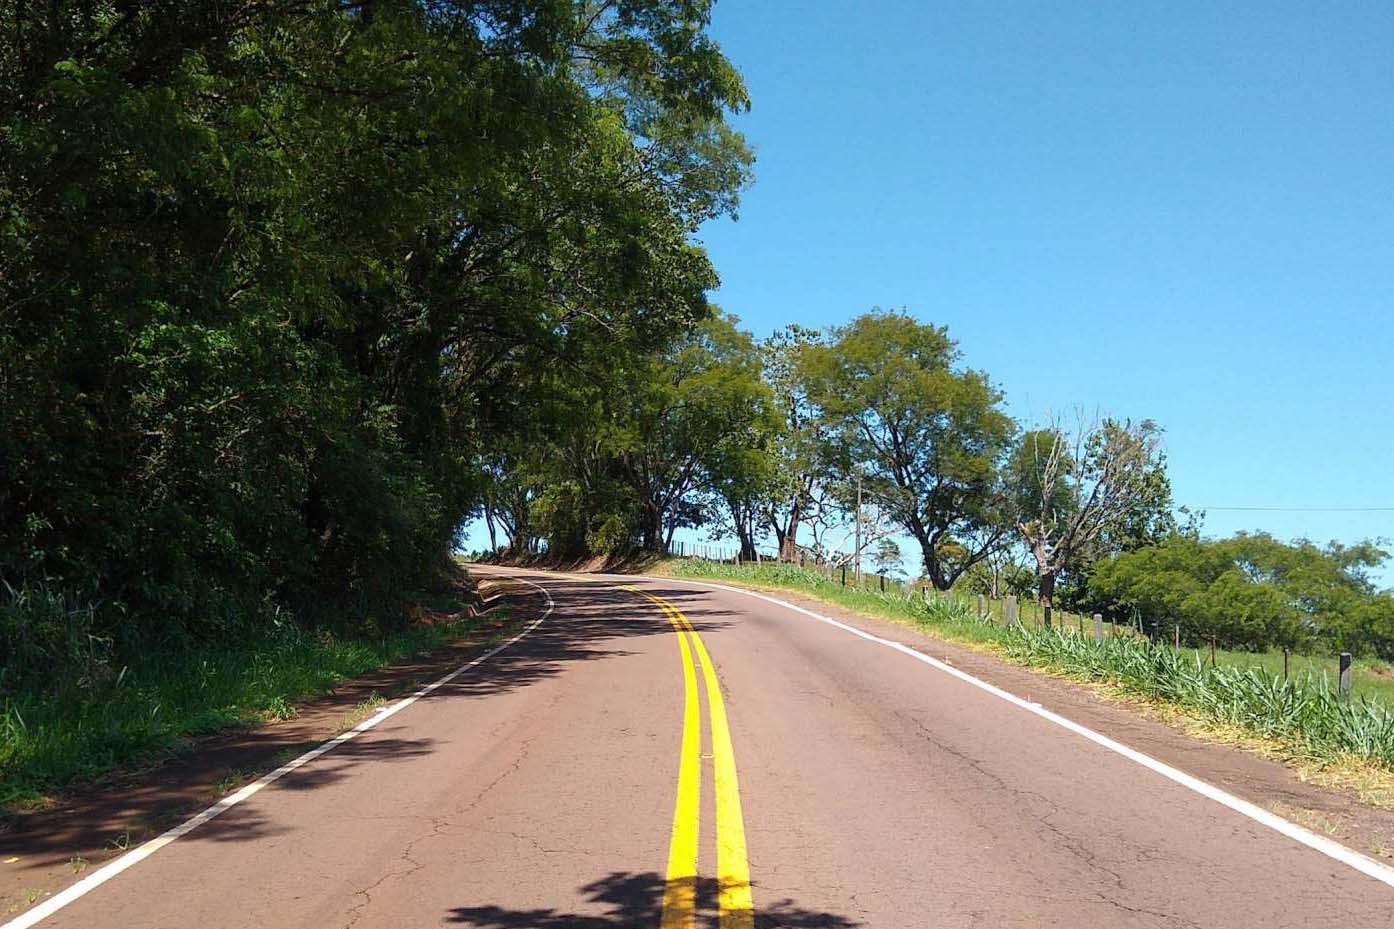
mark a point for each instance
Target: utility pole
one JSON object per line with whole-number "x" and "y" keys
{"x": 857, "y": 551}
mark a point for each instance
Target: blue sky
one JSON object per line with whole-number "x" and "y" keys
{"x": 1180, "y": 211}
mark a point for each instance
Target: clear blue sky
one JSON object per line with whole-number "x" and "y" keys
{"x": 1181, "y": 211}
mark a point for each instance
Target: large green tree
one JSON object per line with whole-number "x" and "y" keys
{"x": 273, "y": 273}
{"x": 692, "y": 418}
{"x": 925, "y": 434}
{"x": 797, "y": 460}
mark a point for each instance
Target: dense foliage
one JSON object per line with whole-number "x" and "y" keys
{"x": 279, "y": 279}
{"x": 1253, "y": 592}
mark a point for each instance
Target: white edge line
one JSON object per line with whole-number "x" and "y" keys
{"x": 1364, "y": 864}
{"x": 136, "y": 855}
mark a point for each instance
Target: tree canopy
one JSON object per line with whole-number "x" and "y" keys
{"x": 281, "y": 280}
{"x": 925, "y": 435}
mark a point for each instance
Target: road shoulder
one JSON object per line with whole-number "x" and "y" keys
{"x": 42, "y": 851}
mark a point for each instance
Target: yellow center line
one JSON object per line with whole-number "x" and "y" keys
{"x": 680, "y": 892}
{"x": 732, "y": 865}
{"x": 737, "y": 909}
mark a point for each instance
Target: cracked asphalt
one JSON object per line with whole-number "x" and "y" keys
{"x": 537, "y": 791}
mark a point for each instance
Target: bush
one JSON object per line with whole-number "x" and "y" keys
{"x": 1251, "y": 592}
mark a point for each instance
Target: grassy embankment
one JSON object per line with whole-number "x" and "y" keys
{"x": 80, "y": 727}
{"x": 1301, "y": 718}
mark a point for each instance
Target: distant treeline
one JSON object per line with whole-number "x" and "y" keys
{"x": 291, "y": 291}
{"x": 775, "y": 442}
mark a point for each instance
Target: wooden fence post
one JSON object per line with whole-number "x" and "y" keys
{"x": 980, "y": 606}
{"x": 1345, "y": 678}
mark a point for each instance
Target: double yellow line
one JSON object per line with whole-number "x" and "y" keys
{"x": 737, "y": 910}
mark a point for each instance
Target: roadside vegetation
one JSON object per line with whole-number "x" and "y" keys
{"x": 99, "y": 716}
{"x": 1303, "y": 716}
{"x": 280, "y": 285}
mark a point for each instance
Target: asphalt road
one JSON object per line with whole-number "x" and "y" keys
{"x": 591, "y": 776}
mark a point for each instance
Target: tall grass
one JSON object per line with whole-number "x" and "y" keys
{"x": 91, "y": 717}
{"x": 1303, "y": 713}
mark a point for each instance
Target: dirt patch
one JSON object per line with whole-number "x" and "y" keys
{"x": 45, "y": 849}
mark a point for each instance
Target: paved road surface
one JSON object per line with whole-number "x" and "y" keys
{"x": 589, "y": 776}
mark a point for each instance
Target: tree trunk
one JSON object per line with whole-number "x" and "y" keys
{"x": 787, "y": 535}
{"x": 747, "y": 541}
{"x": 493, "y": 533}
{"x": 1046, "y": 579}
{"x": 652, "y": 528}
{"x": 789, "y": 538}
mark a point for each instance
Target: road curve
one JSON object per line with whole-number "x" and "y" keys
{"x": 579, "y": 779}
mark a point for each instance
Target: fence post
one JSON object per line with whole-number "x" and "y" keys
{"x": 1047, "y": 614}
{"x": 980, "y": 606}
{"x": 883, "y": 582}
{"x": 1212, "y": 651}
{"x": 1176, "y": 631}
{"x": 844, "y": 575}
{"x": 1345, "y": 681}
{"x": 1011, "y": 610}
{"x": 1285, "y": 664}
{"x": 1098, "y": 627}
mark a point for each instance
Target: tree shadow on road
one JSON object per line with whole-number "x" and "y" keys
{"x": 591, "y": 622}
{"x": 627, "y": 899}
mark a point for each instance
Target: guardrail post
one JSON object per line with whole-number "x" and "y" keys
{"x": 1011, "y": 610}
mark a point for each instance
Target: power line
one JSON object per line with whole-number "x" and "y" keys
{"x": 1301, "y": 509}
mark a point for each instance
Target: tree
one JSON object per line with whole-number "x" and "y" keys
{"x": 928, "y": 435}
{"x": 685, "y": 418}
{"x": 797, "y": 448}
{"x": 1252, "y": 591}
{"x": 1078, "y": 494}
{"x": 887, "y": 556}
{"x": 272, "y": 274}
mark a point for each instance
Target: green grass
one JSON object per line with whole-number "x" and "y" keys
{"x": 1303, "y": 714}
{"x": 79, "y": 730}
